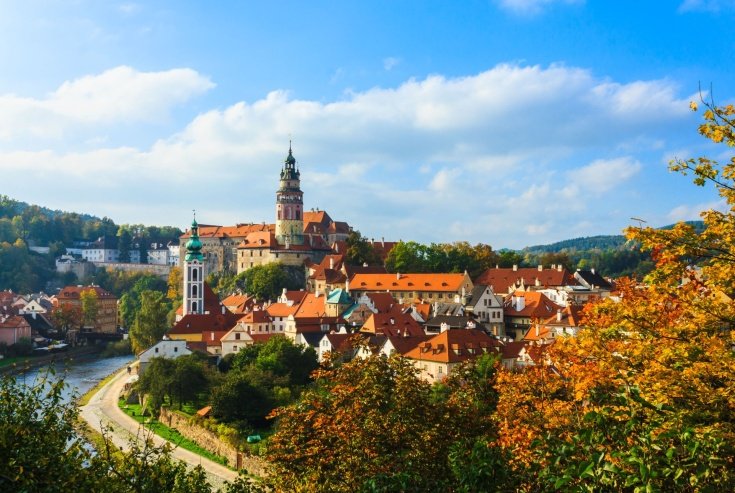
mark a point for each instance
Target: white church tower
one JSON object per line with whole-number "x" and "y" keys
{"x": 194, "y": 273}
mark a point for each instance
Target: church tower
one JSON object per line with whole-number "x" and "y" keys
{"x": 194, "y": 273}
{"x": 290, "y": 204}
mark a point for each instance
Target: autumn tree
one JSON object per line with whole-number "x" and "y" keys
{"x": 367, "y": 425}
{"x": 643, "y": 398}
{"x": 90, "y": 307}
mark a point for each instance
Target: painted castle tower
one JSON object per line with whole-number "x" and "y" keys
{"x": 290, "y": 204}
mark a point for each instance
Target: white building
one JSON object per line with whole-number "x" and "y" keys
{"x": 167, "y": 348}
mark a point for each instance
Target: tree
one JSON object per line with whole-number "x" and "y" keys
{"x": 42, "y": 452}
{"x": 175, "y": 284}
{"x": 143, "y": 249}
{"x": 157, "y": 383}
{"x": 368, "y": 425}
{"x": 360, "y": 251}
{"x": 266, "y": 282}
{"x": 124, "y": 244}
{"x": 642, "y": 399}
{"x": 240, "y": 400}
{"x": 90, "y": 307}
{"x": 66, "y": 317}
{"x": 407, "y": 257}
{"x": 151, "y": 321}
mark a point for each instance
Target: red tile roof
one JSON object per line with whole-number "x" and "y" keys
{"x": 502, "y": 279}
{"x": 197, "y": 324}
{"x": 75, "y": 292}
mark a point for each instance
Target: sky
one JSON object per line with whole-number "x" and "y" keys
{"x": 506, "y": 122}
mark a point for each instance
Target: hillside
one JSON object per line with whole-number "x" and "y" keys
{"x": 600, "y": 242}
{"x": 23, "y": 225}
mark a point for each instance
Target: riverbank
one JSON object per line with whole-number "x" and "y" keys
{"x": 103, "y": 415}
{"x": 67, "y": 357}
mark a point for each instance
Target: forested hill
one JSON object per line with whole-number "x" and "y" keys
{"x": 25, "y": 225}
{"x": 40, "y": 226}
{"x": 600, "y": 242}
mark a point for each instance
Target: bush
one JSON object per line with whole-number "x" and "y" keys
{"x": 23, "y": 347}
{"x": 119, "y": 348}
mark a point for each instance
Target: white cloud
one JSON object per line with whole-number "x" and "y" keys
{"x": 693, "y": 212}
{"x": 121, "y": 94}
{"x": 602, "y": 175}
{"x": 531, "y": 7}
{"x": 492, "y": 154}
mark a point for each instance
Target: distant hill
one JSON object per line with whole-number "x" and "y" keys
{"x": 600, "y": 242}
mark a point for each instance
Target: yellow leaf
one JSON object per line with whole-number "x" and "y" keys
{"x": 693, "y": 106}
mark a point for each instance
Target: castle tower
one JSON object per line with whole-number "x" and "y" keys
{"x": 194, "y": 273}
{"x": 290, "y": 204}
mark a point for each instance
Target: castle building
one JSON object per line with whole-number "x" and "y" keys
{"x": 240, "y": 247}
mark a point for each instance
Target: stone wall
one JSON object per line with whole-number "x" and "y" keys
{"x": 209, "y": 440}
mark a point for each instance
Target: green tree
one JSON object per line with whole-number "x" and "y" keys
{"x": 143, "y": 249}
{"x": 124, "y": 244}
{"x": 151, "y": 321}
{"x": 190, "y": 378}
{"x": 266, "y": 282}
{"x": 360, "y": 251}
{"x": 407, "y": 257}
{"x": 157, "y": 383}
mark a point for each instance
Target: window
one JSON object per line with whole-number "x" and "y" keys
{"x": 194, "y": 289}
{"x": 441, "y": 369}
{"x": 193, "y": 306}
{"x": 237, "y": 336}
{"x": 176, "y": 350}
{"x": 194, "y": 273}
{"x": 156, "y": 350}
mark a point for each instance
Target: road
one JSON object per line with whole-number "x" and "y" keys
{"x": 102, "y": 411}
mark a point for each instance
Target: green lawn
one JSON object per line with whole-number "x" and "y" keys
{"x": 173, "y": 436}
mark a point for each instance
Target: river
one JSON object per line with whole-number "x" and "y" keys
{"x": 79, "y": 375}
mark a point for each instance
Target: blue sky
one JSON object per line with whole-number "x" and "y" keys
{"x": 508, "y": 122}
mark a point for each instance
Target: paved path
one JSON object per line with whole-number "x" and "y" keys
{"x": 103, "y": 411}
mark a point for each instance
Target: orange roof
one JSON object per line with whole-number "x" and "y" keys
{"x": 454, "y": 346}
{"x": 317, "y": 216}
{"x": 311, "y": 306}
{"x": 536, "y": 305}
{"x": 238, "y": 303}
{"x": 256, "y": 317}
{"x": 407, "y": 282}
{"x": 392, "y": 324}
{"x": 502, "y": 279}
{"x": 281, "y": 309}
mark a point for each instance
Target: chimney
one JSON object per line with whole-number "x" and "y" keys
{"x": 316, "y": 293}
{"x": 223, "y": 309}
{"x": 538, "y": 283}
{"x": 347, "y": 286}
{"x": 537, "y": 330}
{"x": 398, "y": 276}
{"x": 593, "y": 271}
{"x": 444, "y": 327}
{"x": 331, "y": 263}
{"x": 515, "y": 267}
{"x": 372, "y": 241}
{"x": 540, "y": 268}
{"x": 520, "y": 303}
{"x": 558, "y": 315}
{"x": 559, "y": 267}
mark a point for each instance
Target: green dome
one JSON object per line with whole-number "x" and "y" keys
{"x": 194, "y": 245}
